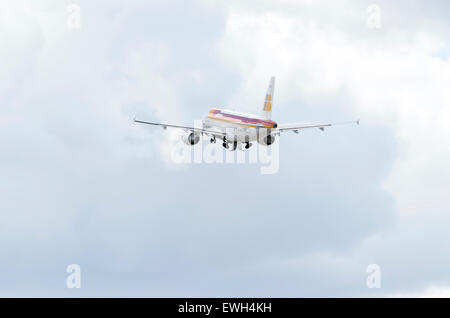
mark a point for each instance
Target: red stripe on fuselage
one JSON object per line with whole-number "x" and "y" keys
{"x": 241, "y": 120}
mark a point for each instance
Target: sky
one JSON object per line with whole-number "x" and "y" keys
{"x": 82, "y": 184}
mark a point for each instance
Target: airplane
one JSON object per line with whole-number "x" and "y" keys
{"x": 236, "y": 129}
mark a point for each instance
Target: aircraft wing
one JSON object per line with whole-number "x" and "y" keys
{"x": 194, "y": 129}
{"x": 297, "y": 127}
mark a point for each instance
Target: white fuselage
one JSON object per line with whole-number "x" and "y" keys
{"x": 238, "y": 126}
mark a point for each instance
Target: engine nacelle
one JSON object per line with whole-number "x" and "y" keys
{"x": 191, "y": 138}
{"x": 266, "y": 140}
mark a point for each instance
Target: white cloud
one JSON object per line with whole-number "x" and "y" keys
{"x": 387, "y": 79}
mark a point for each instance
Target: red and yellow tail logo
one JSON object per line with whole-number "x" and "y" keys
{"x": 268, "y": 103}
{"x": 267, "y": 108}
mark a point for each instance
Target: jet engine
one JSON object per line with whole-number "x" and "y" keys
{"x": 266, "y": 140}
{"x": 191, "y": 138}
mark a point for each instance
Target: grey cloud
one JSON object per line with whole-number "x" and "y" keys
{"x": 82, "y": 184}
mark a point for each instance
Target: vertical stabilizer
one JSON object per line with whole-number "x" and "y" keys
{"x": 267, "y": 109}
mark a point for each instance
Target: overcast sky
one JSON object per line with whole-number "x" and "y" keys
{"x": 82, "y": 184}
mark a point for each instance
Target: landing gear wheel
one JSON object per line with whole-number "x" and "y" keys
{"x": 233, "y": 146}
{"x": 244, "y": 146}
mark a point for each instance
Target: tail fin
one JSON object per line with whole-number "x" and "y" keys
{"x": 267, "y": 109}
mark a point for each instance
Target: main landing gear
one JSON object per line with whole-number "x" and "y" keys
{"x": 232, "y": 146}
{"x": 229, "y": 145}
